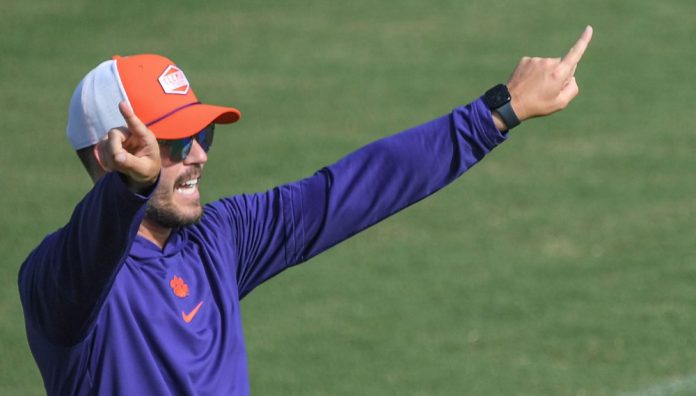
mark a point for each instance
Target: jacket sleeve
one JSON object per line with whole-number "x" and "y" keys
{"x": 294, "y": 222}
{"x": 65, "y": 279}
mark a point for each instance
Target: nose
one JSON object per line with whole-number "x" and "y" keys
{"x": 197, "y": 155}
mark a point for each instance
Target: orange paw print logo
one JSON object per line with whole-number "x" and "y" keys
{"x": 179, "y": 287}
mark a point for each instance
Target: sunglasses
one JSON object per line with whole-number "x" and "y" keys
{"x": 180, "y": 148}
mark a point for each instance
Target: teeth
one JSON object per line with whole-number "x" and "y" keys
{"x": 190, "y": 183}
{"x": 187, "y": 187}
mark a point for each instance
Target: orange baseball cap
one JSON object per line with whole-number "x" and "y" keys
{"x": 157, "y": 90}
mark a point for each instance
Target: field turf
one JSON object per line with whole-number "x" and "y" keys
{"x": 563, "y": 264}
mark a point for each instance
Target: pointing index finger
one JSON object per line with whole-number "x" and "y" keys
{"x": 571, "y": 59}
{"x": 135, "y": 126}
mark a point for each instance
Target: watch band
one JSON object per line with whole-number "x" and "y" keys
{"x": 508, "y": 115}
{"x": 498, "y": 99}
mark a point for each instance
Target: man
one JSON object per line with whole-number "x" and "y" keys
{"x": 139, "y": 293}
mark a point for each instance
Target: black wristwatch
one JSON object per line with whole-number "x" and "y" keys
{"x": 498, "y": 99}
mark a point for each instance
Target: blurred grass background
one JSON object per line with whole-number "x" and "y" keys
{"x": 564, "y": 264}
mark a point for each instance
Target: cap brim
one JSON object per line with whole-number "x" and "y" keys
{"x": 191, "y": 120}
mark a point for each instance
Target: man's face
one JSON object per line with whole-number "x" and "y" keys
{"x": 176, "y": 200}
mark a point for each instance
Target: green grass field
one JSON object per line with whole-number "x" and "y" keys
{"x": 563, "y": 264}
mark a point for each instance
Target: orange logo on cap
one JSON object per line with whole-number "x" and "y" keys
{"x": 180, "y": 288}
{"x": 173, "y": 81}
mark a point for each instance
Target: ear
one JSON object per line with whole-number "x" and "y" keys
{"x": 97, "y": 168}
{"x": 95, "y": 153}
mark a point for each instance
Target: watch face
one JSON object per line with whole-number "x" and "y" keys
{"x": 496, "y": 96}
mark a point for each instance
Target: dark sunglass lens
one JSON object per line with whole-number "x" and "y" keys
{"x": 179, "y": 149}
{"x": 205, "y": 137}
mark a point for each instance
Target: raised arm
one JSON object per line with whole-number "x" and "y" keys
{"x": 65, "y": 278}
{"x": 295, "y": 222}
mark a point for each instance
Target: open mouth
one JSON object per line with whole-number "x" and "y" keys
{"x": 188, "y": 186}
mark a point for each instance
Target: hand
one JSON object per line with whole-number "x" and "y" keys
{"x": 541, "y": 86}
{"x": 131, "y": 150}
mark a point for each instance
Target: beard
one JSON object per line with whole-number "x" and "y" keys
{"x": 162, "y": 211}
{"x": 166, "y": 216}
